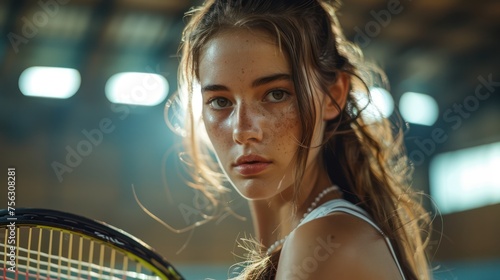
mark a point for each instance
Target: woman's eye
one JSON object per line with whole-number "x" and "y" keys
{"x": 276, "y": 95}
{"x": 219, "y": 103}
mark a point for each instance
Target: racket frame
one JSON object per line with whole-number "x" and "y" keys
{"x": 114, "y": 237}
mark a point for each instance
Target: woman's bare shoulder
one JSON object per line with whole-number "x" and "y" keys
{"x": 338, "y": 245}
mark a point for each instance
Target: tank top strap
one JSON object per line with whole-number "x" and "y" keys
{"x": 344, "y": 206}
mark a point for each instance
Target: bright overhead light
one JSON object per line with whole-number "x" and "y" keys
{"x": 418, "y": 108}
{"x": 51, "y": 82}
{"x": 466, "y": 179}
{"x": 134, "y": 88}
{"x": 380, "y": 106}
{"x": 382, "y": 99}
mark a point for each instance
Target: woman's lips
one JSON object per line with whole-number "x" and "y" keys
{"x": 251, "y": 164}
{"x": 251, "y": 168}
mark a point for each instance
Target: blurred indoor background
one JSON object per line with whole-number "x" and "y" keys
{"x": 82, "y": 150}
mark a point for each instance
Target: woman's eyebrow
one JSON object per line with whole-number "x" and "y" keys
{"x": 214, "y": 88}
{"x": 271, "y": 78}
{"x": 256, "y": 83}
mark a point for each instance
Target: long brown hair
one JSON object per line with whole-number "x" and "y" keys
{"x": 366, "y": 159}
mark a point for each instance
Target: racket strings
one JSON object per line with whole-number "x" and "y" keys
{"x": 50, "y": 253}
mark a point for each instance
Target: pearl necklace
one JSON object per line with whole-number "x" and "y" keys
{"x": 309, "y": 210}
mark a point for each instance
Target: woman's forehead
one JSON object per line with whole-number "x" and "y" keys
{"x": 245, "y": 53}
{"x": 242, "y": 33}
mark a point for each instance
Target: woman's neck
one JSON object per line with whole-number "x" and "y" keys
{"x": 274, "y": 218}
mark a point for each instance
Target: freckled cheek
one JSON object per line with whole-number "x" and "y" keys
{"x": 285, "y": 131}
{"x": 292, "y": 123}
{"x": 289, "y": 121}
{"x": 209, "y": 123}
{"x": 217, "y": 131}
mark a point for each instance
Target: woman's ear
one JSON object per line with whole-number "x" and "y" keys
{"x": 338, "y": 96}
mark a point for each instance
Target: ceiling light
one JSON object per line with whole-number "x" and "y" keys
{"x": 466, "y": 178}
{"x": 375, "y": 107}
{"x": 51, "y": 82}
{"x": 134, "y": 88}
{"x": 418, "y": 108}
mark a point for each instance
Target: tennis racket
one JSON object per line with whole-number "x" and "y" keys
{"x": 49, "y": 244}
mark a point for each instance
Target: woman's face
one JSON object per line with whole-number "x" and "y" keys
{"x": 250, "y": 111}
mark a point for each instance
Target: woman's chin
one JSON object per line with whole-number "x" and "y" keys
{"x": 254, "y": 190}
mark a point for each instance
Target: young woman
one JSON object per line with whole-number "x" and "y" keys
{"x": 329, "y": 192}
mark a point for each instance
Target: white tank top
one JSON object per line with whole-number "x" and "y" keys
{"x": 341, "y": 205}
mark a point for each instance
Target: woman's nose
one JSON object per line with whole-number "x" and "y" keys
{"x": 247, "y": 124}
